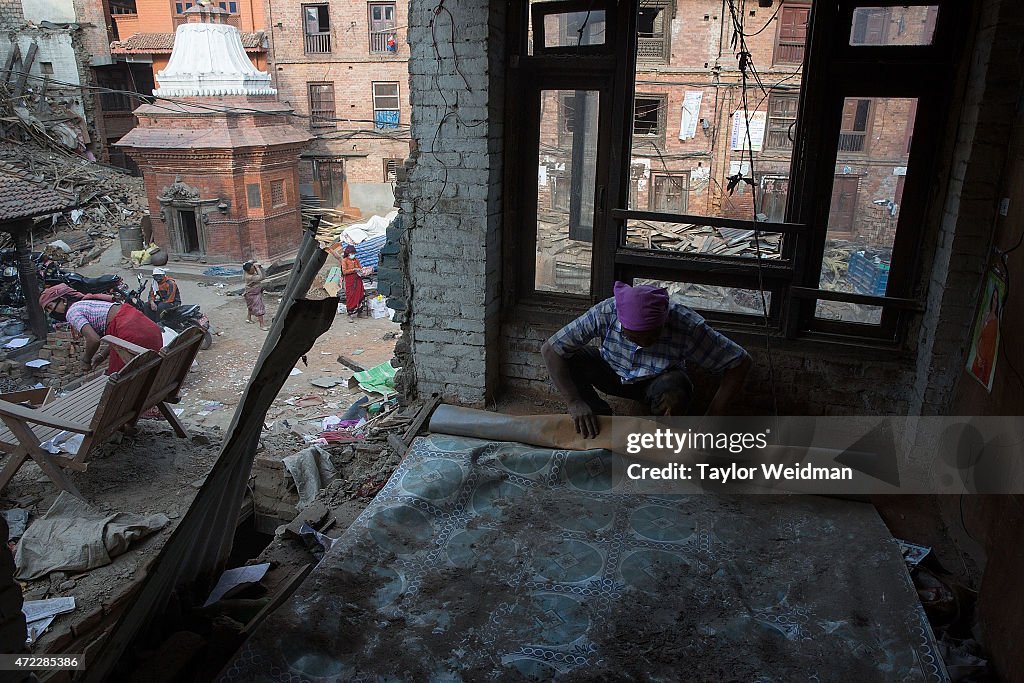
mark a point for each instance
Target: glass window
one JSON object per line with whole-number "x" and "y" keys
{"x": 566, "y": 182}
{"x": 574, "y": 29}
{"x": 385, "y": 105}
{"x": 865, "y": 208}
{"x": 712, "y": 298}
{"x": 907, "y": 25}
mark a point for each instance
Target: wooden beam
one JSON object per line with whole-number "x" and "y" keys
{"x": 19, "y": 85}
{"x": 421, "y": 419}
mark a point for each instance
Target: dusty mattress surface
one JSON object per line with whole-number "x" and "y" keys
{"x": 533, "y": 564}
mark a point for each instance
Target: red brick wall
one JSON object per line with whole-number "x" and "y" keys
{"x": 352, "y": 69}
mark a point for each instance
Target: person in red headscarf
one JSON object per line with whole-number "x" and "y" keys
{"x": 354, "y": 292}
{"x": 646, "y": 341}
{"x": 96, "y": 315}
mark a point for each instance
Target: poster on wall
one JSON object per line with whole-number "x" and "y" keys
{"x": 690, "y": 114}
{"x": 981, "y": 361}
{"x": 757, "y": 122}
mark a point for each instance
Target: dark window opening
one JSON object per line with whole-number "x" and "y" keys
{"x": 648, "y": 118}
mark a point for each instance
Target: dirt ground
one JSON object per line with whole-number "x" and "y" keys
{"x": 154, "y": 472}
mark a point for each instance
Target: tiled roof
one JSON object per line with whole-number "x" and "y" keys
{"x": 21, "y": 196}
{"x": 163, "y": 43}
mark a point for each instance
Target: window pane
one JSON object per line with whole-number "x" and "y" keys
{"x": 865, "y": 205}
{"x": 566, "y": 182}
{"x": 574, "y": 29}
{"x": 691, "y": 119}
{"x": 712, "y": 298}
{"x": 893, "y": 25}
{"x": 690, "y": 238}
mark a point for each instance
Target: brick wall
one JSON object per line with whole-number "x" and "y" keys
{"x": 352, "y": 69}
{"x": 451, "y": 201}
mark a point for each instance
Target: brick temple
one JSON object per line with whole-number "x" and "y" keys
{"x": 218, "y": 152}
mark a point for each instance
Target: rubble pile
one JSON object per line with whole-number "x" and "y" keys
{"x": 108, "y": 198}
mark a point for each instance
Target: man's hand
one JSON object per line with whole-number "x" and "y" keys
{"x": 152, "y": 305}
{"x": 583, "y": 419}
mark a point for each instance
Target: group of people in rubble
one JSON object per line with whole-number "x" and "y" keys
{"x": 92, "y": 316}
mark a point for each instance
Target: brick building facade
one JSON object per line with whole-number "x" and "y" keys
{"x": 343, "y": 65}
{"x": 219, "y": 155}
{"x": 142, "y": 32}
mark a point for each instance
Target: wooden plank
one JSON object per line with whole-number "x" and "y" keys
{"x": 350, "y": 364}
{"x": 396, "y": 443}
{"x": 26, "y": 66}
{"x": 421, "y": 418}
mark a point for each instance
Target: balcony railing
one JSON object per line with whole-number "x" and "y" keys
{"x": 789, "y": 54}
{"x": 651, "y": 49}
{"x": 318, "y": 43}
{"x": 852, "y": 142}
{"x": 383, "y": 41}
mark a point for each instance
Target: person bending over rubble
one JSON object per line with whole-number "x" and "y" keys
{"x": 95, "y": 315}
{"x": 646, "y": 340}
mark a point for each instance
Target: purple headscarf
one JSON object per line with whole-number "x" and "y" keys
{"x": 641, "y": 308}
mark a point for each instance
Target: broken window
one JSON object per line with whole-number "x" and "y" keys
{"x": 648, "y": 117}
{"x": 391, "y": 170}
{"x": 382, "y": 27}
{"x": 385, "y": 105}
{"x": 316, "y": 26}
{"x": 321, "y": 105}
{"x": 792, "y": 35}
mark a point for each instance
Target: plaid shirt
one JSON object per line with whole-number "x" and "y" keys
{"x": 685, "y": 338}
{"x": 89, "y": 312}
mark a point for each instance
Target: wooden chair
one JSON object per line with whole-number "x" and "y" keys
{"x": 176, "y": 361}
{"x": 96, "y": 410}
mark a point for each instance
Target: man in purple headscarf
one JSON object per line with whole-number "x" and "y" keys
{"x": 646, "y": 341}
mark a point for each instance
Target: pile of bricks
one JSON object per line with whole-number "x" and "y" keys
{"x": 64, "y": 353}
{"x": 274, "y": 492}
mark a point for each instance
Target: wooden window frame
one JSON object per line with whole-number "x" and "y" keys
{"x": 663, "y": 40}
{"x": 662, "y": 118}
{"x": 318, "y": 42}
{"x": 833, "y": 71}
{"x": 781, "y": 127}
{"x": 398, "y": 103}
{"x": 657, "y": 175}
{"x": 317, "y": 120}
{"x": 786, "y": 46}
{"x": 378, "y": 43}
{"x": 391, "y": 169}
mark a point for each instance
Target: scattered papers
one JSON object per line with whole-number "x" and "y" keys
{"x": 39, "y": 614}
{"x": 16, "y": 343}
{"x": 236, "y": 578}
{"x": 64, "y": 442}
{"x": 37, "y": 363}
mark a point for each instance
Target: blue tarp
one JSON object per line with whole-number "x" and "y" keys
{"x": 368, "y": 251}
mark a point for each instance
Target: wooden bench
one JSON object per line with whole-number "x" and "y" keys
{"x": 96, "y": 410}
{"x": 175, "y": 362}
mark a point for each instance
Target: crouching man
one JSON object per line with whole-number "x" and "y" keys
{"x": 646, "y": 342}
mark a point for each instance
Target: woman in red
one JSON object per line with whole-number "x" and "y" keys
{"x": 354, "y": 291}
{"x": 93, "y": 317}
